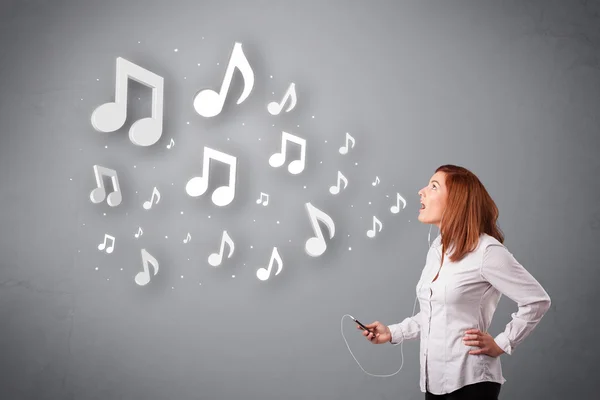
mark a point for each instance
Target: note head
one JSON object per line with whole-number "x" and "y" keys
{"x": 223, "y": 195}
{"x": 276, "y": 160}
{"x": 371, "y": 233}
{"x": 343, "y": 150}
{"x": 109, "y": 117}
{"x": 334, "y": 190}
{"x": 114, "y": 199}
{"x": 208, "y": 103}
{"x": 214, "y": 260}
{"x": 97, "y": 195}
{"x": 262, "y": 274}
{"x": 296, "y": 167}
{"x": 395, "y": 210}
{"x": 196, "y": 186}
{"x": 273, "y": 108}
{"x": 315, "y": 247}
{"x": 145, "y": 131}
{"x": 142, "y": 278}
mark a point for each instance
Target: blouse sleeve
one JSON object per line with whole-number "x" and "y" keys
{"x": 505, "y": 273}
{"x": 409, "y": 328}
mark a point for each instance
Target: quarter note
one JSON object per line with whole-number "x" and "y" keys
{"x": 109, "y": 248}
{"x": 171, "y": 144}
{"x": 260, "y": 199}
{"x": 99, "y": 194}
{"x": 396, "y": 208}
{"x": 111, "y": 116}
{"x": 222, "y": 195}
{"x": 315, "y": 246}
{"x": 376, "y": 181}
{"x": 274, "y": 108}
{"x": 148, "y": 203}
{"x": 187, "y": 238}
{"x": 264, "y": 273}
{"x": 344, "y": 149}
{"x": 371, "y": 232}
{"x": 215, "y": 259}
{"x": 336, "y": 189}
{"x": 277, "y": 159}
{"x": 142, "y": 278}
{"x": 209, "y": 103}
{"x": 139, "y": 233}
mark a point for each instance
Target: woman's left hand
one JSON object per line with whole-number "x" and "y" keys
{"x": 483, "y": 340}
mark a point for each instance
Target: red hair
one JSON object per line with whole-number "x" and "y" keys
{"x": 470, "y": 211}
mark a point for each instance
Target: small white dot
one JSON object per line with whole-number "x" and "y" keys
{"x": 355, "y": 163}
{"x": 351, "y": 205}
{"x": 153, "y": 167}
{"x": 227, "y": 139}
{"x": 273, "y": 124}
{"x": 254, "y": 220}
{"x": 326, "y": 141}
{"x": 209, "y": 216}
{"x": 70, "y": 179}
{"x": 188, "y": 122}
{"x": 313, "y": 116}
{"x": 83, "y": 224}
{"x": 107, "y": 279}
{"x": 198, "y": 64}
{"x": 81, "y": 99}
{"x": 172, "y": 184}
{"x": 199, "y": 283}
{"x": 350, "y": 248}
{"x": 304, "y": 187}
{"x": 233, "y": 276}
{"x": 188, "y": 259}
{"x": 369, "y": 203}
{"x": 121, "y": 269}
{"x": 348, "y": 235}
{"x": 172, "y": 287}
{"x": 251, "y": 246}
{"x": 139, "y": 41}
{"x": 106, "y": 147}
{"x": 243, "y": 123}
{"x": 184, "y": 77}
{"x": 176, "y": 50}
{"x": 271, "y": 76}
{"x": 136, "y": 192}
{"x": 277, "y": 221}
{"x": 139, "y": 98}
{"x": 79, "y": 251}
{"x": 166, "y": 237}
{"x": 134, "y": 166}
{"x": 96, "y": 268}
{"x": 273, "y": 92}
{"x": 258, "y": 138}
{"x": 217, "y": 63}
{"x": 104, "y": 214}
{"x": 298, "y": 126}
{"x": 98, "y": 79}
{"x": 321, "y": 162}
{"x": 182, "y": 213}
{"x": 181, "y": 276}
{"x": 290, "y": 240}
{"x": 202, "y": 37}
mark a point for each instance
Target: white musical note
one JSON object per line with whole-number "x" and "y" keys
{"x": 222, "y": 195}
{"x": 111, "y": 247}
{"x": 148, "y": 203}
{"x": 187, "y": 238}
{"x": 371, "y": 232}
{"x": 344, "y": 149}
{"x": 143, "y": 277}
{"x": 277, "y": 159}
{"x": 376, "y": 181}
{"x": 209, "y": 103}
{"x": 215, "y": 259}
{"x": 99, "y": 194}
{"x": 260, "y": 199}
{"x": 315, "y": 246}
{"x": 139, "y": 233}
{"x": 336, "y": 189}
{"x": 111, "y": 116}
{"x": 396, "y": 208}
{"x": 171, "y": 144}
{"x": 274, "y": 108}
{"x": 264, "y": 273}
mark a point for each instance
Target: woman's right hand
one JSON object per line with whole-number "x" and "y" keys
{"x": 379, "y": 333}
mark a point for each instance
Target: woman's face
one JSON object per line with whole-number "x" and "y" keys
{"x": 433, "y": 196}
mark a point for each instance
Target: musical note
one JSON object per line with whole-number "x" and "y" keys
{"x": 376, "y": 181}
{"x": 264, "y": 202}
{"x": 277, "y": 159}
{"x": 148, "y": 203}
{"x": 344, "y": 149}
{"x": 215, "y": 259}
{"x": 264, "y": 273}
{"x": 187, "y": 238}
{"x": 371, "y": 232}
{"x": 111, "y": 247}
{"x": 275, "y": 109}
{"x": 143, "y": 277}
{"x": 396, "y": 208}
{"x": 171, "y": 144}
{"x": 315, "y": 246}
{"x": 209, "y": 103}
{"x": 336, "y": 189}
{"x": 98, "y": 194}
{"x": 222, "y": 195}
{"x": 139, "y": 233}
{"x": 111, "y": 116}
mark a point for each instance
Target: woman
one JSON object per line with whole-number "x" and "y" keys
{"x": 458, "y": 293}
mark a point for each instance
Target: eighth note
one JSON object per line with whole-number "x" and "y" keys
{"x": 187, "y": 238}
{"x": 148, "y": 203}
{"x": 171, "y": 144}
{"x": 277, "y": 159}
{"x": 371, "y": 232}
{"x": 111, "y": 247}
{"x": 222, "y": 195}
{"x": 99, "y": 194}
{"x": 336, "y": 189}
{"x": 260, "y": 199}
{"x": 396, "y": 208}
{"x": 142, "y": 278}
{"x": 215, "y": 259}
{"x": 264, "y": 273}
{"x": 139, "y": 233}
{"x": 275, "y": 109}
{"x": 376, "y": 181}
{"x": 344, "y": 149}
{"x": 315, "y": 246}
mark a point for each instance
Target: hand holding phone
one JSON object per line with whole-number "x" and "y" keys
{"x": 364, "y": 328}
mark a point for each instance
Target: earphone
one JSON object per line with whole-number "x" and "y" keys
{"x": 401, "y": 352}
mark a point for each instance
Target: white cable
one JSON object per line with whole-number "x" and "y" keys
{"x": 401, "y": 351}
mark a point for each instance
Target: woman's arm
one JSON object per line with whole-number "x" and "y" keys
{"x": 409, "y": 328}
{"x": 505, "y": 273}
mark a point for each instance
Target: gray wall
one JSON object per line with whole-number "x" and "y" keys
{"x": 507, "y": 89}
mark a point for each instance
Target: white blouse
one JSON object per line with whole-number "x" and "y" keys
{"x": 465, "y": 296}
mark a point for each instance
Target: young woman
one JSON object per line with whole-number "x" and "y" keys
{"x": 466, "y": 272}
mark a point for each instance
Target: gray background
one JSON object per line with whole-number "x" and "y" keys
{"x": 508, "y": 89}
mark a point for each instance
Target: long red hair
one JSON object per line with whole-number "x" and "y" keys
{"x": 470, "y": 211}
